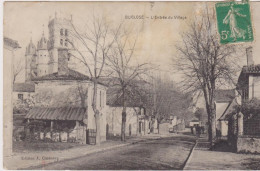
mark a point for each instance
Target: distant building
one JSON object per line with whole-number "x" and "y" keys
{"x": 137, "y": 122}
{"x": 22, "y": 91}
{"x": 194, "y": 122}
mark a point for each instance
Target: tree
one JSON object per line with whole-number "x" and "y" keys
{"x": 126, "y": 72}
{"x": 204, "y": 63}
{"x": 91, "y": 47}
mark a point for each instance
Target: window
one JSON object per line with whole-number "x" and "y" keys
{"x": 61, "y": 41}
{"x": 20, "y": 96}
{"x": 66, "y": 32}
{"x": 61, "y": 32}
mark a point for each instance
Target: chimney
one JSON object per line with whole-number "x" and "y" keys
{"x": 249, "y": 54}
{"x": 63, "y": 56}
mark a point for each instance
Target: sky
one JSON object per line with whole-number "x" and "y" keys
{"x": 26, "y": 20}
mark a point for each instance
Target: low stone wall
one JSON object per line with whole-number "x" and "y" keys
{"x": 248, "y": 144}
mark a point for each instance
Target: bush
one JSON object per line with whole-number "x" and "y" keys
{"x": 48, "y": 140}
{"x": 250, "y": 108}
{"x": 23, "y": 106}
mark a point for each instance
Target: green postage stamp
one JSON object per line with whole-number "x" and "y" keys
{"x": 234, "y": 22}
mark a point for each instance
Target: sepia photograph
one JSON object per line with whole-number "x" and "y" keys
{"x": 131, "y": 85}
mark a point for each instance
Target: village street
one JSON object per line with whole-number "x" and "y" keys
{"x": 163, "y": 153}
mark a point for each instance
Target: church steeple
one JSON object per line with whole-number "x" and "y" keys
{"x": 42, "y": 44}
{"x": 30, "y": 56}
{"x": 30, "y": 49}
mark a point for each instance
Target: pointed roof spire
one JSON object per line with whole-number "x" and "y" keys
{"x": 30, "y": 49}
{"x": 42, "y": 44}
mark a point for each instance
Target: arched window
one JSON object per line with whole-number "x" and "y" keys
{"x": 61, "y": 32}
{"x": 61, "y": 42}
{"x": 66, "y": 32}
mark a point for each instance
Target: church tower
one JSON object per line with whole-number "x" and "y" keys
{"x": 30, "y": 61}
{"x": 42, "y": 57}
{"x": 59, "y": 37}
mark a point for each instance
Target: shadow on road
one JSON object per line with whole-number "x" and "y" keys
{"x": 223, "y": 146}
{"x": 252, "y": 164}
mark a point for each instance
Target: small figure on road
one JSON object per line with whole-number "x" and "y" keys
{"x": 199, "y": 131}
{"x": 202, "y": 129}
{"x": 191, "y": 128}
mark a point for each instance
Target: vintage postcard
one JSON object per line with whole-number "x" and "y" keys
{"x": 131, "y": 85}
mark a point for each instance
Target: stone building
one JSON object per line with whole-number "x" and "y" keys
{"x": 63, "y": 97}
{"x": 249, "y": 123}
{"x": 243, "y": 125}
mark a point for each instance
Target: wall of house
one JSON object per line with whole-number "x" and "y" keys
{"x": 8, "y": 53}
{"x": 221, "y": 126}
{"x": 101, "y": 106}
{"x": 58, "y": 93}
{"x": 247, "y": 144}
{"x": 224, "y": 128}
{"x": 220, "y": 108}
{"x": 114, "y": 120}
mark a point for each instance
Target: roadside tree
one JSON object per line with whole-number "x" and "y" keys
{"x": 204, "y": 63}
